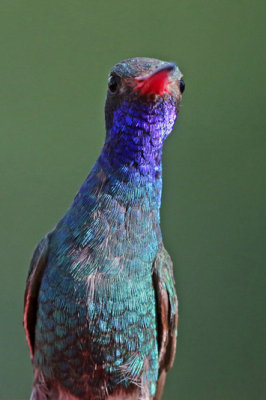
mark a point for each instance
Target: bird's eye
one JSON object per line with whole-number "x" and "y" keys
{"x": 182, "y": 86}
{"x": 113, "y": 83}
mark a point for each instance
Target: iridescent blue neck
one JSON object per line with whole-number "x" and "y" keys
{"x": 135, "y": 137}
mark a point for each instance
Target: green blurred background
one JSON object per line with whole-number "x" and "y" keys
{"x": 55, "y": 59}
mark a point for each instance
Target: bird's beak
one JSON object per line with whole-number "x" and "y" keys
{"x": 155, "y": 83}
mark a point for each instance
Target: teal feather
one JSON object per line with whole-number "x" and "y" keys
{"x": 101, "y": 293}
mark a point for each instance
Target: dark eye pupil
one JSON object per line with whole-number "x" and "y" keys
{"x": 113, "y": 83}
{"x": 182, "y": 86}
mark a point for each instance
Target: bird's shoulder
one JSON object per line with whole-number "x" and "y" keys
{"x": 167, "y": 308}
{"x": 35, "y": 274}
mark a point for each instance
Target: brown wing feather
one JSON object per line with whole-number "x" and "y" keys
{"x": 167, "y": 315}
{"x": 37, "y": 266}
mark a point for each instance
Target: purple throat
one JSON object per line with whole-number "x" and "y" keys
{"x": 137, "y": 134}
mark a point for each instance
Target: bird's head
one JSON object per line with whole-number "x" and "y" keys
{"x": 141, "y": 106}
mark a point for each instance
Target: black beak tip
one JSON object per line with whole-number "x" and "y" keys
{"x": 170, "y": 66}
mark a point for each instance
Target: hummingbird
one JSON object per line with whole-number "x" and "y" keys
{"x": 100, "y": 306}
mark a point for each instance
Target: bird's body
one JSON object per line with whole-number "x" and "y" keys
{"x": 100, "y": 302}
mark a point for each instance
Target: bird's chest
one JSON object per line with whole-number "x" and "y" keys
{"x": 114, "y": 238}
{"x": 99, "y": 272}
{"x": 97, "y": 301}
{"x": 104, "y": 317}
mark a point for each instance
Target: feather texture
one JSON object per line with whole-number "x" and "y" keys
{"x": 100, "y": 303}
